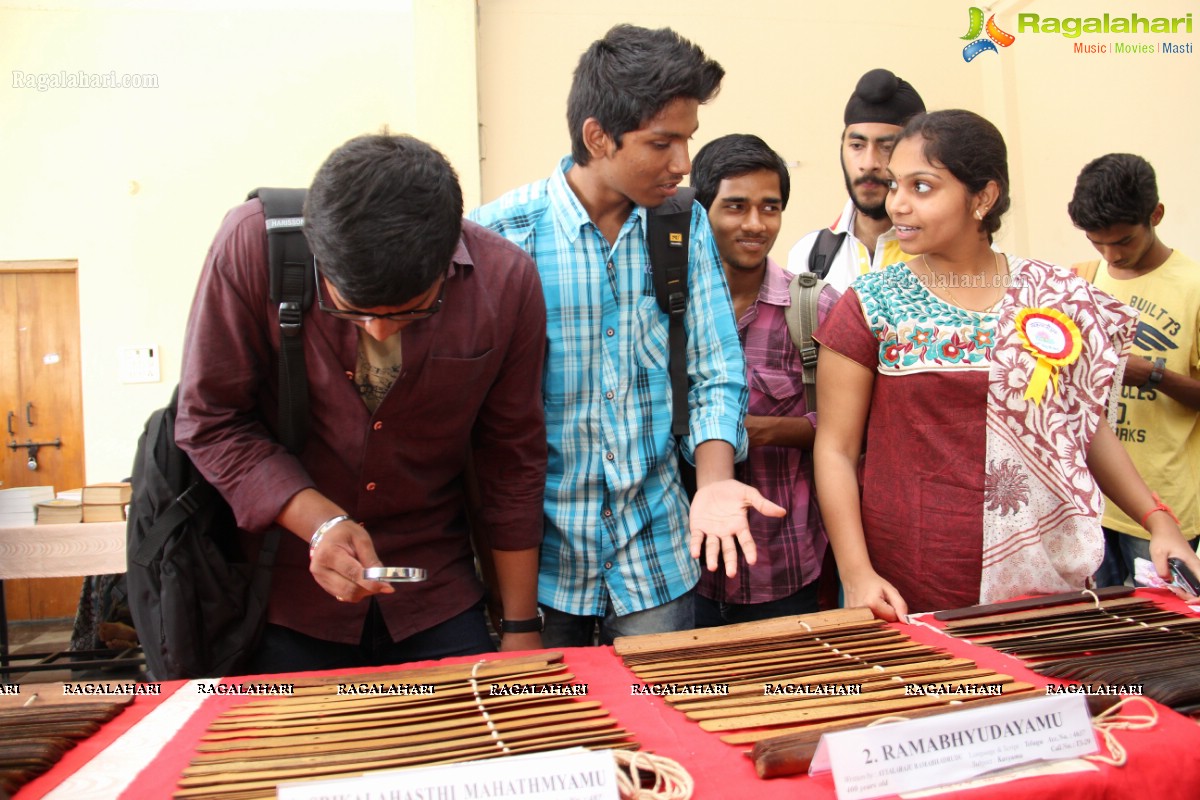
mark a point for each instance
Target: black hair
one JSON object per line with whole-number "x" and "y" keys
{"x": 973, "y": 151}
{"x": 383, "y": 218}
{"x": 732, "y": 156}
{"x": 1116, "y": 189}
{"x": 629, "y": 76}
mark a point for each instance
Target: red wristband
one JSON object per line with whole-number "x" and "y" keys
{"x": 1161, "y": 506}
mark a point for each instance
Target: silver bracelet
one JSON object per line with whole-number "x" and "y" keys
{"x": 322, "y": 529}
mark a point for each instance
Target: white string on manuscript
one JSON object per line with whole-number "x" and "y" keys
{"x": 1109, "y": 721}
{"x": 487, "y": 718}
{"x": 671, "y": 780}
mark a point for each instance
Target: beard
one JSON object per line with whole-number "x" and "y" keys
{"x": 877, "y": 211}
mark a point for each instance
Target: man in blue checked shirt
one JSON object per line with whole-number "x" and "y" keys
{"x": 620, "y": 545}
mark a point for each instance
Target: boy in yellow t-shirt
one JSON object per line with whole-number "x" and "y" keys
{"x": 1116, "y": 205}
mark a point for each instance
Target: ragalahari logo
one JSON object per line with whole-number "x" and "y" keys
{"x": 995, "y": 36}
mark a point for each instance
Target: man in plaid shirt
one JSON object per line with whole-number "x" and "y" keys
{"x": 621, "y": 544}
{"x": 744, "y": 184}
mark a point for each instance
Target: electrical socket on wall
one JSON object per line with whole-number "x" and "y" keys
{"x": 139, "y": 364}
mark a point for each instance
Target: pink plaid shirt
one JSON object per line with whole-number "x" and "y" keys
{"x": 790, "y": 548}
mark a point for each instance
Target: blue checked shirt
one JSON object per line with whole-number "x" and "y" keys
{"x": 616, "y": 513}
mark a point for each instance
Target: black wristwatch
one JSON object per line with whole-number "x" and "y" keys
{"x": 532, "y": 625}
{"x": 1156, "y": 374}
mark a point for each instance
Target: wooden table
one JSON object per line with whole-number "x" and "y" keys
{"x": 57, "y": 551}
{"x": 62, "y": 551}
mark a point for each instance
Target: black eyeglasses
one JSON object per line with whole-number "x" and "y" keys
{"x": 401, "y": 316}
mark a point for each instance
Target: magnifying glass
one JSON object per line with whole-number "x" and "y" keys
{"x": 395, "y": 574}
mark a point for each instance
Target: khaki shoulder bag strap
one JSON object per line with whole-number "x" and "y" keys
{"x": 805, "y": 290}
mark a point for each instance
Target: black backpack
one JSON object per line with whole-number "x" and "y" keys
{"x": 820, "y": 258}
{"x": 198, "y": 602}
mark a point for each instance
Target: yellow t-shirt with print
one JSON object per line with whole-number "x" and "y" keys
{"x": 1161, "y": 435}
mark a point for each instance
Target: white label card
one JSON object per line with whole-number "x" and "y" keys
{"x": 573, "y": 774}
{"x": 955, "y": 746}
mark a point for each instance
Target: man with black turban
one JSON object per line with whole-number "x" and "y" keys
{"x": 861, "y": 238}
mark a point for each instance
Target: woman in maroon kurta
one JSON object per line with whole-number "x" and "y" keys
{"x": 981, "y": 383}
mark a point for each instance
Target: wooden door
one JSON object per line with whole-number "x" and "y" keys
{"x": 41, "y": 400}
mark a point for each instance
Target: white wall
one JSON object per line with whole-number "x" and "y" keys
{"x": 134, "y": 182}
{"x": 1066, "y": 108}
{"x": 790, "y": 67}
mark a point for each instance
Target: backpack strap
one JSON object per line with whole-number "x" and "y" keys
{"x": 820, "y": 258}
{"x": 1086, "y": 270}
{"x": 292, "y": 279}
{"x": 181, "y": 509}
{"x": 668, "y": 228}
{"x": 801, "y": 316}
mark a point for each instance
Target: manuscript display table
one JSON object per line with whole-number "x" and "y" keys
{"x": 141, "y": 753}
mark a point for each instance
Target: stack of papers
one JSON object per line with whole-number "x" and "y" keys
{"x": 17, "y": 505}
